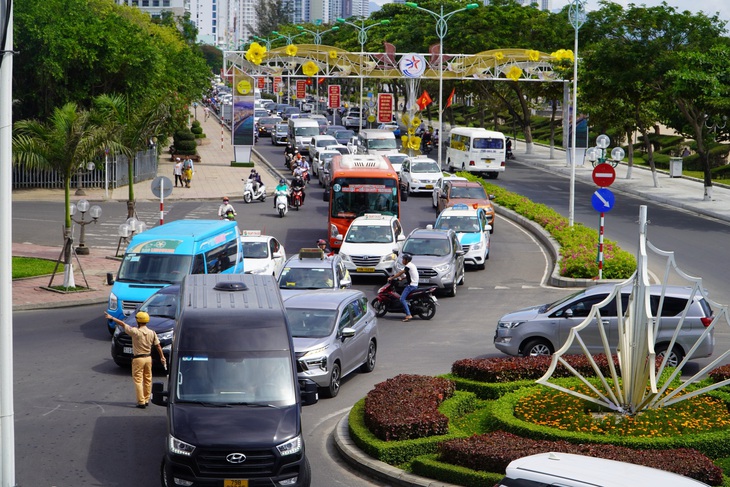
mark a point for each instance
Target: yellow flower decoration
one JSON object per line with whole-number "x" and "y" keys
{"x": 514, "y": 73}
{"x": 333, "y": 54}
{"x": 562, "y": 55}
{"x": 291, "y": 50}
{"x": 414, "y": 143}
{"x": 404, "y": 139}
{"x": 310, "y": 68}
{"x": 533, "y": 55}
{"x": 499, "y": 56}
{"x": 255, "y": 53}
{"x": 405, "y": 119}
{"x": 415, "y": 122}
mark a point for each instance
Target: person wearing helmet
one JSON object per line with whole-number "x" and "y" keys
{"x": 255, "y": 180}
{"x": 411, "y": 272}
{"x": 322, "y": 245}
{"x": 282, "y": 187}
{"x": 226, "y": 211}
{"x": 143, "y": 339}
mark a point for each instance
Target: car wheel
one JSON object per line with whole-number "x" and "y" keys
{"x": 537, "y": 347}
{"x": 408, "y": 190}
{"x": 493, "y": 175}
{"x": 429, "y": 309}
{"x": 379, "y": 307}
{"x": 463, "y": 276}
{"x": 675, "y": 358}
{"x": 164, "y": 481}
{"x": 306, "y": 473}
{"x": 451, "y": 292}
{"x": 369, "y": 364}
{"x": 334, "y": 387}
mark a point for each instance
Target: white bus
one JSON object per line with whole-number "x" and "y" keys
{"x": 476, "y": 150}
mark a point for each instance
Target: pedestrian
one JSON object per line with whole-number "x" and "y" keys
{"x": 411, "y": 271}
{"x": 178, "y": 171}
{"x": 143, "y": 339}
{"x": 207, "y": 113}
{"x": 685, "y": 152}
{"x": 226, "y": 211}
{"x": 188, "y": 171}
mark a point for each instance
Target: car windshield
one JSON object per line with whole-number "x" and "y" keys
{"x": 161, "y": 304}
{"x": 460, "y": 224}
{"x": 488, "y": 144}
{"x": 306, "y": 278}
{"x": 424, "y": 167}
{"x": 344, "y": 134}
{"x": 427, "y": 246}
{"x": 381, "y": 144}
{"x": 260, "y": 113}
{"x": 326, "y": 156}
{"x": 255, "y": 250}
{"x": 369, "y": 234}
{"x": 235, "y": 378}
{"x": 164, "y": 268}
{"x": 269, "y": 120}
{"x": 325, "y": 142}
{"x": 306, "y": 131}
{"x": 468, "y": 192}
{"x": 397, "y": 159}
{"x": 281, "y": 127}
{"x": 556, "y": 304}
{"x": 311, "y": 323}
{"x": 341, "y": 150}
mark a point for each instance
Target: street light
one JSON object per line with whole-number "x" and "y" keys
{"x": 362, "y": 36}
{"x": 442, "y": 29}
{"x": 318, "y": 41}
{"x": 94, "y": 212}
{"x": 267, "y": 42}
{"x": 577, "y": 16}
{"x": 598, "y": 153}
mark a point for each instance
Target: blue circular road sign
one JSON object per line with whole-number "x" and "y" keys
{"x": 603, "y": 200}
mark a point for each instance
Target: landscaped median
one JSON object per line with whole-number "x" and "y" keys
{"x": 578, "y": 244}
{"x": 465, "y": 427}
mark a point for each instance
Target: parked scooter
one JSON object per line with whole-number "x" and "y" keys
{"x": 249, "y": 194}
{"x": 282, "y": 205}
{"x": 422, "y": 301}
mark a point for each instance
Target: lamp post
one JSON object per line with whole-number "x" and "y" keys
{"x": 289, "y": 39}
{"x": 362, "y": 37}
{"x": 267, "y": 42}
{"x": 94, "y": 212}
{"x": 318, "y": 42}
{"x": 714, "y": 127}
{"x": 442, "y": 29}
{"x": 577, "y": 16}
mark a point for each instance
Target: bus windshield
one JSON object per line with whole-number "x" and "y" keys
{"x": 488, "y": 143}
{"x": 164, "y": 268}
{"x": 353, "y": 197}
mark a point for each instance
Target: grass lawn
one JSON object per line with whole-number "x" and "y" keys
{"x": 31, "y": 267}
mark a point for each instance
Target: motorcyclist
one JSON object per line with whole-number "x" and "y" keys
{"x": 426, "y": 140}
{"x": 322, "y": 245}
{"x": 305, "y": 167}
{"x": 411, "y": 272}
{"x": 298, "y": 184}
{"x": 288, "y": 154}
{"x": 509, "y": 148}
{"x": 297, "y": 159}
{"x": 226, "y": 211}
{"x": 255, "y": 178}
{"x": 281, "y": 189}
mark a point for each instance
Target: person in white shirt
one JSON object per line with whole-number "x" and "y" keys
{"x": 225, "y": 210}
{"x": 411, "y": 272}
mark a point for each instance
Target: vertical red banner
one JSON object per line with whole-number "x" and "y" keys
{"x": 261, "y": 82}
{"x": 301, "y": 89}
{"x": 385, "y": 107}
{"x": 278, "y": 84}
{"x": 333, "y": 96}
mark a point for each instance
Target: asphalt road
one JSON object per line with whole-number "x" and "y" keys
{"x": 75, "y": 420}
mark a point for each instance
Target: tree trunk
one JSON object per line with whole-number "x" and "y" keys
{"x": 552, "y": 128}
{"x": 649, "y": 153}
{"x": 630, "y": 152}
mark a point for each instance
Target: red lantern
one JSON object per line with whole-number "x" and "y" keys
{"x": 309, "y": 81}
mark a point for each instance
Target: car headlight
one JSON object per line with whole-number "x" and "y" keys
{"x": 416, "y": 181}
{"x": 443, "y": 268}
{"x": 388, "y": 258}
{"x": 290, "y": 447}
{"x": 165, "y": 335}
{"x": 509, "y": 324}
{"x": 118, "y": 330}
{"x": 261, "y": 270}
{"x": 179, "y": 447}
{"x": 113, "y": 301}
{"x": 477, "y": 246}
{"x": 345, "y": 257}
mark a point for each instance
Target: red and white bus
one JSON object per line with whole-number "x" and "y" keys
{"x": 359, "y": 184}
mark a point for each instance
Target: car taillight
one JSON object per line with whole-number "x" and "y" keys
{"x": 472, "y": 163}
{"x": 706, "y": 321}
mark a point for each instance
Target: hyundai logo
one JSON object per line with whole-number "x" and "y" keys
{"x": 236, "y": 458}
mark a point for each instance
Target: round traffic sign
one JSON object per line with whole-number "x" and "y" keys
{"x": 604, "y": 175}
{"x": 602, "y": 200}
{"x": 162, "y": 185}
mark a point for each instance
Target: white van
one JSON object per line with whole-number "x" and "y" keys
{"x": 571, "y": 470}
{"x": 375, "y": 142}
{"x": 476, "y": 150}
{"x": 301, "y": 131}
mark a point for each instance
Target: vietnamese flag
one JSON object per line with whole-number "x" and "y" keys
{"x": 424, "y": 100}
{"x": 450, "y": 99}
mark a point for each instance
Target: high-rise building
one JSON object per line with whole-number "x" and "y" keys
{"x": 155, "y": 7}
{"x": 360, "y": 8}
{"x": 321, "y": 10}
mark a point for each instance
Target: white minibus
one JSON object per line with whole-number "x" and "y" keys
{"x": 476, "y": 150}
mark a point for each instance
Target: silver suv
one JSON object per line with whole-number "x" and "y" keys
{"x": 540, "y": 330}
{"x": 438, "y": 257}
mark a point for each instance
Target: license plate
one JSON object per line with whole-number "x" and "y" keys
{"x": 488, "y": 161}
{"x": 429, "y": 186}
{"x": 128, "y": 350}
{"x": 365, "y": 269}
{"x": 235, "y": 483}
{"x": 424, "y": 281}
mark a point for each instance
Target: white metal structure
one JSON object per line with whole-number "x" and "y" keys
{"x": 476, "y": 150}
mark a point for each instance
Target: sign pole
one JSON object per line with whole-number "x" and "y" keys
{"x": 162, "y": 201}
{"x": 600, "y": 246}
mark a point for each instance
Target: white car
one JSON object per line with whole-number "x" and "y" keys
{"x": 262, "y": 254}
{"x": 420, "y": 175}
{"x": 441, "y": 183}
{"x": 368, "y": 247}
{"x": 342, "y": 149}
{"x": 472, "y": 228}
{"x": 318, "y": 166}
{"x": 396, "y": 160}
{"x": 317, "y": 143}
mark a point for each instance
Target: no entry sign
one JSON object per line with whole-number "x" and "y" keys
{"x": 604, "y": 175}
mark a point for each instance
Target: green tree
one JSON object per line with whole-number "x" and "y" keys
{"x": 64, "y": 144}
{"x": 270, "y": 14}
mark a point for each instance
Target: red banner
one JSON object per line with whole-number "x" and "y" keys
{"x": 278, "y": 85}
{"x": 261, "y": 81}
{"x": 385, "y": 107}
{"x": 301, "y": 89}
{"x": 333, "y": 98}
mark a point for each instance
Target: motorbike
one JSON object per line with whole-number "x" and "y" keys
{"x": 288, "y": 156}
{"x": 297, "y": 197}
{"x": 427, "y": 147}
{"x": 249, "y": 194}
{"x": 282, "y": 205}
{"x": 509, "y": 154}
{"x": 230, "y": 216}
{"x": 421, "y": 302}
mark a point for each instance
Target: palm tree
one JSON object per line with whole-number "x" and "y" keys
{"x": 68, "y": 140}
{"x": 133, "y": 127}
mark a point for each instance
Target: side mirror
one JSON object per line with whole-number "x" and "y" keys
{"x": 491, "y": 196}
{"x": 347, "y": 332}
{"x": 568, "y": 313}
{"x": 345, "y": 283}
{"x": 488, "y": 228}
{"x": 109, "y": 278}
{"x": 159, "y": 396}
{"x": 277, "y": 255}
{"x": 459, "y": 253}
{"x": 339, "y": 236}
{"x": 400, "y": 238}
{"x": 429, "y": 227}
{"x": 396, "y": 250}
